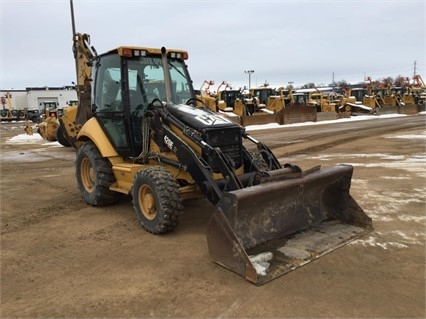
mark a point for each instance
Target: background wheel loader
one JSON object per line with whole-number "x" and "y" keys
{"x": 142, "y": 135}
{"x": 48, "y": 127}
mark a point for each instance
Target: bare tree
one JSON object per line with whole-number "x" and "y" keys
{"x": 308, "y": 86}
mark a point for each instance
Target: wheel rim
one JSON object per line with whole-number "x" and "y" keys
{"x": 147, "y": 202}
{"x": 87, "y": 174}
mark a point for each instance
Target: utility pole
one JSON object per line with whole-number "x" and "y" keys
{"x": 415, "y": 66}
{"x": 249, "y": 72}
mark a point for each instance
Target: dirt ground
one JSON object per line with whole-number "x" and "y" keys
{"x": 62, "y": 258}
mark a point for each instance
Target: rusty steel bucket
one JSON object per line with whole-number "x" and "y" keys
{"x": 265, "y": 231}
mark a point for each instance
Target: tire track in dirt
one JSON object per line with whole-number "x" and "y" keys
{"x": 51, "y": 189}
{"x": 39, "y": 214}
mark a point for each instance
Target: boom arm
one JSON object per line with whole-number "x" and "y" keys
{"x": 84, "y": 54}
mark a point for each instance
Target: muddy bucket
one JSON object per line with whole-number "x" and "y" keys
{"x": 265, "y": 231}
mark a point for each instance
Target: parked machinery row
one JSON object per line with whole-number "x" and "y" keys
{"x": 265, "y": 104}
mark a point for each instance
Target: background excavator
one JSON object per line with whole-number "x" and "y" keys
{"x": 138, "y": 132}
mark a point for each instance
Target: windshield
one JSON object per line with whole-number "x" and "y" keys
{"x": 263, "y": 95}
{"x": 49, "y": 105}
{"x": 230, "y": 96}
{"x": 146, "y": 81}
{"x": 358, "y": 94}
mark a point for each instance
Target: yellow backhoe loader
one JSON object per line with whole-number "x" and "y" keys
{"x": 142, "y": 135}
{"x": 9, "y": 114}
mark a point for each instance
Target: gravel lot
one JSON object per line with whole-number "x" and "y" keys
{"x": 62, "y": 258}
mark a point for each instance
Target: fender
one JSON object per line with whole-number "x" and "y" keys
{"x": 92, "y": 130}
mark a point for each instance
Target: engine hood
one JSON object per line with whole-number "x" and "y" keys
{"x": 200, "y": 119}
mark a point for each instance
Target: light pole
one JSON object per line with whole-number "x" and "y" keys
{"x": 249, "y": 72}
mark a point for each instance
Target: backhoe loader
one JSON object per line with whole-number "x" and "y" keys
{"x": 9, "y": 114}
{"x": 140, "y": 133}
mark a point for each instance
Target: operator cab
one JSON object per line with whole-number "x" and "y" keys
{"x": 263, "y": 94}
{"x": 230, "y": 97}
{"x": 127, "y": 81}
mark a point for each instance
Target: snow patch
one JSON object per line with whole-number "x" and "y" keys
{"x": 261, "y": 263}
{"x": 351, "y": 119}
{"x": 395, "y": 177}
{"x": 410, "y": 218}
{"x": 43, "y": 153}
{"x": 372, "y": 241}
{"x": 30, "y": 139}
{"x": 397, "y": 239}
{"x": 409, "y": 136}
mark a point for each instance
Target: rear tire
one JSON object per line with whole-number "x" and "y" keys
{"x": 94, "y": 176}
{"x": 156, "y": 200}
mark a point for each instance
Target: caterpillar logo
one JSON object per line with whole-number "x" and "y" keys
{"x": 168, "y": 142}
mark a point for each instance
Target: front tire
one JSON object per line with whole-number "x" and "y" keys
{"x": 61, "y": 137}
{"x": 156, "y": 200}
{"x": 94, "y": 176}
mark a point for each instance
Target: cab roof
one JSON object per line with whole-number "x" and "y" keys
{"x": 124, "y": 50}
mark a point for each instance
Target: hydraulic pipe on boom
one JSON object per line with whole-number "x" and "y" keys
{"x": 84, "y": 54}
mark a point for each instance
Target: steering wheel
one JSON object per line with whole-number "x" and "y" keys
{"x": 155, "y": 103}
{"x": 150, "y": 97}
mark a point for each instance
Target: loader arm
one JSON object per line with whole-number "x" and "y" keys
{"x": 193, "y": 162}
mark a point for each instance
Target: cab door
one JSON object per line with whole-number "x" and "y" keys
{"x": 109, "y": 101}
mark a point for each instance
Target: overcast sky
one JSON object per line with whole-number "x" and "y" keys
{"x": 282, "y": 41}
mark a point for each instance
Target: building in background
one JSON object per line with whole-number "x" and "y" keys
{"x": 34, "y": 98}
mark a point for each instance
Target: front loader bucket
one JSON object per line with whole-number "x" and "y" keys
{"x": 264, "y": 231}
{"x": 47, "y": 129}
